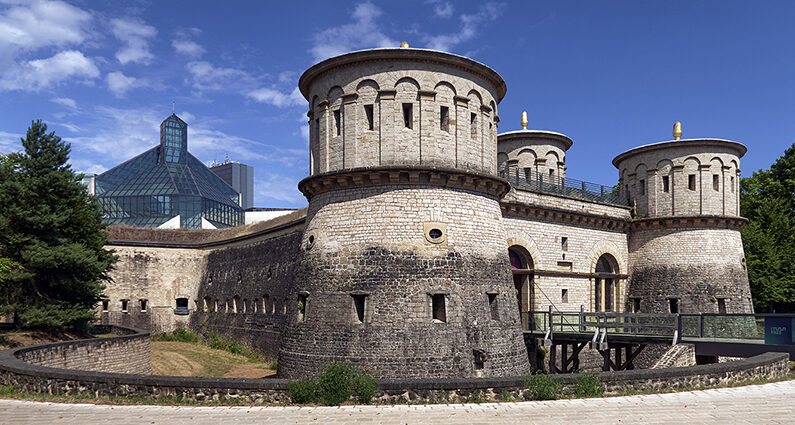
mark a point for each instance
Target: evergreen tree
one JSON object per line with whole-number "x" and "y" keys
{"x": 768, "y": 201}
{"x": 51, "y": 237}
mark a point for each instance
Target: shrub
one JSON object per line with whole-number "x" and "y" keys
{"x": 588, "y": 385}
{"x": 304, "y": 391}
{"x": 231, "y": 346}
{"x": 542, "y": 387}
{"x": 364, "y": 386}
{"x": 334, "y": 383}
{"x": 178, "y": 335}
{"x": 6, "y": 389}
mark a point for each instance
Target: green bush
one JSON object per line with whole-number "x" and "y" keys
{"x": 542, "y": 387}
{"x": 304, "y": 391}
{"x": 231, "y": 346}
{"x": 364, "y": 386}
{"x": 178, "y": 335}
{"x": 588, "y": 385}
{"x": 6, "y": 389}
{"x": 334, "y": 383}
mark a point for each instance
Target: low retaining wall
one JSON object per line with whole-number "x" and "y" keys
{"x": 130, "y": 352}
{"x": 27, "y": 377}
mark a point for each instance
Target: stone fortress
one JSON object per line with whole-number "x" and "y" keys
{"x": 429, "y": 236}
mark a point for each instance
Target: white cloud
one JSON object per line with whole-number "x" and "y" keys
{"x": 65, "y": 101}
{"x": 277, "y": 98}
{"x": 9, "y": 142}
{"x": 41, "y": 73}
{"x": 120, "y": 84}
{"x": 43, "y": 23}
{"x": 187, "y": 48}
{"x": 134, "y": 35}
{"x": 362, "y": 33}
{"x": 279, "y": 188}
{"x": 442, "y": 9}
{"x": 204, "y": 76}
{"x": 470, "y": 23}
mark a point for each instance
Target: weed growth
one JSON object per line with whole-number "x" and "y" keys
{"x": 542, "y": 387}
{"x": 588, "y": 384}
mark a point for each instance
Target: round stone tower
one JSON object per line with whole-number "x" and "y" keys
{"x": 530, "y": 154}
{"x": 405, "y": 270}
{"x": 685, "y": 250}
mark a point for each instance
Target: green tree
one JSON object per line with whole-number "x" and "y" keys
{"x": 51, "y": 237}
{"x": 767, "y": 200}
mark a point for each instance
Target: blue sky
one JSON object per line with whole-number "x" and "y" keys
{"x": 610, "y": 74}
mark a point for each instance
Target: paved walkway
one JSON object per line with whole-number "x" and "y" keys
{"x": 761, "y": 404}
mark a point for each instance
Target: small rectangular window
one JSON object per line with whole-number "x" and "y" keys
{"x": 123, "y": 306}
{"x": 732, "y": 183}
{"x": 722, "y": 305}
{"x": 642, "y": 187}
{"x": 358, "y": 306}
{"x": 564, "y": 295}
{"x": 444, "y": 118}
{"x": 368, "y": 113}
{"x": 105, "y": 305}
{"x": 284, "y": 307}
{"x": 337, "y": 123}
{"x": 691, "y": 182}
{"x": 302, "y": 300}
{"x": 564, "y": 266}
{"x": 495, "y": 313}
{"x": 408, "y": 115}
{"x": 635, "y": 305}
{"x": 265, "y": 300}
{"x": 438, "y": 307}
{"x": 665, "y": 184}
{"x": 143, "y": 306}
{"x": 715, "y": 182}
{"x": 564, "y": 243}
{"x": 182, "y": 307}
{"x": 473, "y": 125}
{"x": 673, "y": 305}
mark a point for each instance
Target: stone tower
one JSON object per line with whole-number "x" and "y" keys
{"x": 685, "y": 250}
{"x": 405, "y": 269}
{"x": 530, "y": 154}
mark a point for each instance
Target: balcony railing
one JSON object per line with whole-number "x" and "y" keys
{"x": 531, "y": 179}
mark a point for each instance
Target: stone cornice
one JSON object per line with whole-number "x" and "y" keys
{"x": 558, "y": 215}
{"x": 680, "y": 222}
{"x": 404, "y": 55}
{"x": 403, "y": 175}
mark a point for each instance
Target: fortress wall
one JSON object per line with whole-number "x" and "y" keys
{"x": 692, "y": 264}
{"x": 584, "y": 246}
{"x": 158, "y": 275}
{"x": 245, "y": 291}
{"x": 373, "y": 242}
{"x": 566, "y": 203}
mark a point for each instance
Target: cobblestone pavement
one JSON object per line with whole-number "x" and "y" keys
{"x": 759, "y": 404}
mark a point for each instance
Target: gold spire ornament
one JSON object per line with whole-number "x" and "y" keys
{"x": 677, "y": 130}
{"x": 404, "y": 45}
{"x": 524, "y": 120}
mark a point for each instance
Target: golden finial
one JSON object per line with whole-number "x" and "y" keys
{"x": 677, "y": 130}
{"x": 404, "y": 45}
{"x": 524, "y": 120}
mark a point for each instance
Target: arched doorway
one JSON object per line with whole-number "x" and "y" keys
{"x": 522, "y": 266}
{"x": 606, "y": 284}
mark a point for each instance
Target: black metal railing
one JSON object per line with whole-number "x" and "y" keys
{"x": 579, "y": 189}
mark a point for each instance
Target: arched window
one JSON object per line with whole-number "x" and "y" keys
{"x": 606, "y": 284}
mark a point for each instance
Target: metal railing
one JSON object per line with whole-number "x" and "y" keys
{"x": 579, "y": 189}
{"x": 775, "y": 329}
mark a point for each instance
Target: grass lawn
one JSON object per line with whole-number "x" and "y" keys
{"x": 190, "y": 359}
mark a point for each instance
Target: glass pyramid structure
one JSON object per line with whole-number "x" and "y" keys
{"x": 167, "y": 182}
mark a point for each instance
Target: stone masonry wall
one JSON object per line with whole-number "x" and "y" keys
{"x": 122, "y": 354}
{"x": 374, "y": 242}
{"x": 340, "y": 135}
{"x": 245, "y": 290}
{"x": 696, "y": 265}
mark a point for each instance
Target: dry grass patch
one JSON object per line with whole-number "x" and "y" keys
{"x": 174, "y": 358}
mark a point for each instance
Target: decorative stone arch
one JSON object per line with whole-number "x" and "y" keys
{"x": 527, "y": 161}
{"x": 407, "y": 80}
{"x": 447, "y": 85}
{"x": 606, "y": 293}
{"x": 524, "y": 283}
